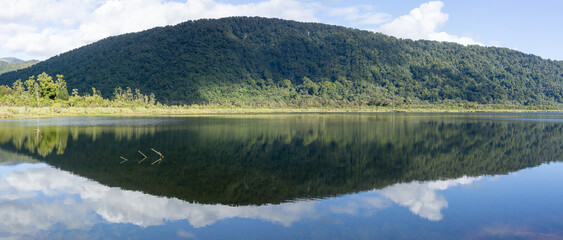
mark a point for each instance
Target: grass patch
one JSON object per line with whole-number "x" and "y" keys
{"x": 27, "y": 112}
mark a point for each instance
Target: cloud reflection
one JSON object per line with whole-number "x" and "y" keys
{"x": 422, "y": 198}
{"x": 36, "y": 197}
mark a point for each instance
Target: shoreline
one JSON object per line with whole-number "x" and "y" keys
{"x": 169, "y": 111}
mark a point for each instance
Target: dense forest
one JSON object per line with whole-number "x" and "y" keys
{"x": 263, "y": 160}
{"x": 44, "y": 91}
{"x": 10, "y": 64}
{"x": 273, "y": 62}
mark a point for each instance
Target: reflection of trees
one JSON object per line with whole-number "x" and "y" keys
{"x": 42, "y": 141}
{"x": 47, "y": 140}
{"x": 6, "y": 157}
{"x": 274, "y": 159}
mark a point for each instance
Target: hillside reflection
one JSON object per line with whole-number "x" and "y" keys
{"x": 260, "y": 160}
{"x": 28, "y": 204}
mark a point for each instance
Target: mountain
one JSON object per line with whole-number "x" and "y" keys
{"x": 11, "y": 60}
{"x": 9, "y": 64}
{"x": 252, "y": 60}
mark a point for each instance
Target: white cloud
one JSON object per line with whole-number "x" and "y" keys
{"x": 422, "y": 198}
{"x": 43, "y": 28}
{"x": 359, "y": 15}
{"x": 364, "y": 205}
{"x": 424, "y": 22}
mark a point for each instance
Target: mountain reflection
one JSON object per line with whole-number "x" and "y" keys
{"x": 263, "y": 160}
{"x": 37, "y": 197}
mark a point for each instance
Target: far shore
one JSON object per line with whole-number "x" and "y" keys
{"x": 32, "y": 112}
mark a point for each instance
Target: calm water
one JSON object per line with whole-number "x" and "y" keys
{"x": 295, "y": 176}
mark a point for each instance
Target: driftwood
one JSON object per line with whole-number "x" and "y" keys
{"x": 158, "y": 160}
{"x": 143, "y": 156}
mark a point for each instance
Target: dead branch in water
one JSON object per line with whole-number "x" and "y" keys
{"x": 158, "y": 160}
{"x": 143, "y": 156}
{"x": 157, "y": 152}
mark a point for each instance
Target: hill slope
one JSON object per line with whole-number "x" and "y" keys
{"x": 276, "y": 61}
{"x": 11, "y": 59}
{"x": 12, "y": 64}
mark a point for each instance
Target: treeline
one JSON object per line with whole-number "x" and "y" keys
{"x": 44, "y": 91}
{"x": 273, "y": 62}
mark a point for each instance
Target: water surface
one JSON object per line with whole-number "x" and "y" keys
{"x": 285, "y": 176}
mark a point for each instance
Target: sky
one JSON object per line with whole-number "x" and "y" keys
{"x": 40, "y": 29}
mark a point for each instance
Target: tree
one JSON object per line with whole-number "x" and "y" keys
{"x": 33, "y": 88}
{"x": 309, "y": 86}
{"x": 48, "y": 87}
{"x": 60, "y": 85}
{"x": 18, "y": 87}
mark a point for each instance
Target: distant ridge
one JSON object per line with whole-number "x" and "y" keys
{"x": 8, "y": 64}
{"x": 11, "y": 60}
{"x": 253, "y": 60}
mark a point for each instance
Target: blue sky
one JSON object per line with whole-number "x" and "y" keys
{"x": 40, "y": 29}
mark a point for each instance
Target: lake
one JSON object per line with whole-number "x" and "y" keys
{"x": 283, "y": 176}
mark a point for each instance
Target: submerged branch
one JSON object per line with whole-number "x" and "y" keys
{"x": 145, "y": 157}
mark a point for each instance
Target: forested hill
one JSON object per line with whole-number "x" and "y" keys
{"x": 12, "y": 64}
{"x": 246, "y": 60}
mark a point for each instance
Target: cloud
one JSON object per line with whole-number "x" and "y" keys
{"x": 422, "y": 198}
{"x": 359, "y": 15}
{"x": 185, "y": 234}
{"x": 424, "y": 22}
{"x": 43, "y": 28}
